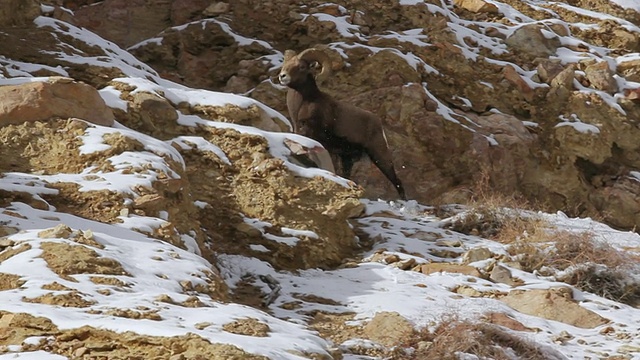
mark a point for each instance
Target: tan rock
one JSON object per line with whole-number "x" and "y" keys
{"x": 619, "y": 202}
{"x": 477, "y": 6}
{"x": 511, "y": 75}
{"x": 476, "y": 254}
{"x": 249, "y": 230}
{"x": 4, "y": 242}
{"x": 217, "y": 9}
{"x": 503, "y": 275}
{"x": 630, "y": 70}
{"x": 18, "y": 12}
{"x": 247, "y": 326}
{"x": 548, "y": 69}
{"x": 553, "y": 304}
{"x": 59, "y": 231}
{"x": 468, "y": 291}
{"x": 406, "y": 264}
{"x": 506, "y": 321}
{"x": 316, "y": 157}
{"x": 149, "y": 202}
{"x": 531, "y": 40}
{"x": 388, "y": 328}
{"x": 41, "y": 101}
{"x": 432, "y": 268}
{"x": 152, "y": 111}
{"x": 564, "y": 79}
{"x": 600, "y": 77}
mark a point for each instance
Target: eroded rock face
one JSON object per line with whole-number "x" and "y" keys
{"x": 18, "y": 12}
{"x": 126, "y": 22}
{"x": 442, "y": 136}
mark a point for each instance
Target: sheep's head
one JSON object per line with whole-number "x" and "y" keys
{"x": 297, "y": 68}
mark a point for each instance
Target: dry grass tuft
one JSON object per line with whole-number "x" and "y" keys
{"x": 580, "y": 248}
{"x": 614, "y": 284}
{"x": 491, "y": 212}
{"x": 454, "y": 337}
{"x": 580, "y": 260}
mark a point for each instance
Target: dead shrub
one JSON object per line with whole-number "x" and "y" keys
{"x": 528, "y": 255}
{"x": 492, "y": 213}
{"x": 454, "y": 337}
{"x": 613, "y": 284}
{"x": 479, "y": 221}
{"x": 573, "y": 248}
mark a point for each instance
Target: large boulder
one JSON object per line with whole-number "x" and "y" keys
{"x": 59, "y": 97}
{"x": 553, "y": 304}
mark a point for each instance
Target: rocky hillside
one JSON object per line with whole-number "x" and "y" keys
{"x": 154, "y": 204}
{"x": 541, "y": 96}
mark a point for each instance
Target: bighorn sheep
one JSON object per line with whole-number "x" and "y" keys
{"x": 344, "y": 130}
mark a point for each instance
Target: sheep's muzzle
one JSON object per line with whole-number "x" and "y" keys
{"x": 284, "y": 78}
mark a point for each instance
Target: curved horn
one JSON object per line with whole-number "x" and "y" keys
{"x": 322, "y": 58}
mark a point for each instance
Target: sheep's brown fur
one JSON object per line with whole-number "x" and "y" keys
{"x": 344, "y": 130}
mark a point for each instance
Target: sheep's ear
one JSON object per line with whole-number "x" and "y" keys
{"x": 288, "y": 54}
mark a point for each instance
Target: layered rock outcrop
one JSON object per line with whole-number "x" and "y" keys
{"x": 128, "y": 186}
{"x": 444, "y": 89}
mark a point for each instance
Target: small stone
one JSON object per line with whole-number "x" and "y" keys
{"x": 60, "y": 80}
{"x": 388, "y": 328}
{"x": 202, "y": 325}
{"x": 6, "y": 242}
{"x": 629, "y": 349}
{"x": 505, "y": 320}
{"x": 359, "y": 18}
{"x": 217, "y": 9}
{"x": 80, "y": 352}
{"x": 88, "y": 234}
{"x": 449, "y": 242}
{"x": 476, "y": 254}
{"x": 59, "y": 231}
{"x": 512, "y": 76}
{"x": 563, "y": 337}
{"x": 548, "y": 69}
{"x": 407, "y": 264}
{"x": 501, "y": 274}
{"x": 295, "y": 15}
{"x": 477, "y": 6}
{"x": 451, "y": 268}
{"x": 607, "y": 330}
{"x": 534, "y": 39}
{"x": 249, "y": 230}
{"x": 564, "y": 79}
{"x": 468, "y": 291}
{"x": 600, "y": 77}
{"x": 147, "y": 201}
